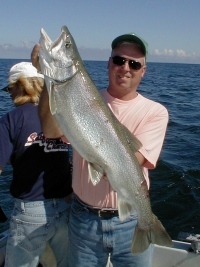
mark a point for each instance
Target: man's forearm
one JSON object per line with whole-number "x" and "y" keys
{"x": 49, "y": 124}
{"x": 50, "y": 127}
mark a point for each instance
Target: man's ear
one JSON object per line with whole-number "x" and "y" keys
{"x": 143, "y": 71}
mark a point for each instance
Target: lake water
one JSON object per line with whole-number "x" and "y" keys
{"x": 175, "y": 183}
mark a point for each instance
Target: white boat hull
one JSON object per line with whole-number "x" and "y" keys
{"x": 177, "y": 256}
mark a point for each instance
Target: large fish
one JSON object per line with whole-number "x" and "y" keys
{"x": 93, "y": 130}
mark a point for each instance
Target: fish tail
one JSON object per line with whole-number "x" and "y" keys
{"x": 156, "y": 234}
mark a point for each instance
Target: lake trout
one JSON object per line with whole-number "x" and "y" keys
{"x": 96, "y": 134}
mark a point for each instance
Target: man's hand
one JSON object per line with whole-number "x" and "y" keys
{"x": 35, "y": 57}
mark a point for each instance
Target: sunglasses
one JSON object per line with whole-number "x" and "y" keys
{"x": 133, "y": 64}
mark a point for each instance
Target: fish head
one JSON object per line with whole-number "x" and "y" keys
{"x": 59, "y": 60}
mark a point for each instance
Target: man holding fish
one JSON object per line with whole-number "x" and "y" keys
{"x": 105, "y": 218}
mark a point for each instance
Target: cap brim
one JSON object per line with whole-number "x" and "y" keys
{"x": 5, "y": 88}
{"x": 130, "y": 38}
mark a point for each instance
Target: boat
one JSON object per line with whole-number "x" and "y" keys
{"x": 182, "y": 254}
{"x": 179, "y": 255}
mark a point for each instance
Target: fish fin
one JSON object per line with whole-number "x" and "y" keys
{"x": 132, "y": 140}
{"x": 124, "y": 208}
{"x": 52, "y": 102}
{"x": 155, "y": 234}
{"x": 95, "y": 173}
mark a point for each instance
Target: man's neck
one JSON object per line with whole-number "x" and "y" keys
{"x": 126, "y": 96}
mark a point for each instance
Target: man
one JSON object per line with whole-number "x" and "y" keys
{"x": 92, "y": 237}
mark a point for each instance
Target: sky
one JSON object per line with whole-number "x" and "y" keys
{"x": 170, "y": 27}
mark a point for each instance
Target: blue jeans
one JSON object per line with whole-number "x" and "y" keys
{"x": 32, "y": 224}
{"x": 92, "y": 238}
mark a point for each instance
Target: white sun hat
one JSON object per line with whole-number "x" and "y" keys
{"x": 25, "y": 68}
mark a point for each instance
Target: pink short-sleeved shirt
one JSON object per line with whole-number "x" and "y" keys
{"x": 147, "y": 120}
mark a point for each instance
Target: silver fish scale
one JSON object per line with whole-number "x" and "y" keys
{"x": 93, "y": 132}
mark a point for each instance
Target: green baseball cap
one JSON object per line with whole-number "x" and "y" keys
{"x": 132, "y": 38}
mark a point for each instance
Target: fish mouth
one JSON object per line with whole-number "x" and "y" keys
{"x": 57, "y": 57}
{"x": 52, "y": 48}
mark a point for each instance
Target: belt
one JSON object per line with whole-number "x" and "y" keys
{"x": 104, "y": 213}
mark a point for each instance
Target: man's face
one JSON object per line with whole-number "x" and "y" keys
{"x": 123, "y": 80}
